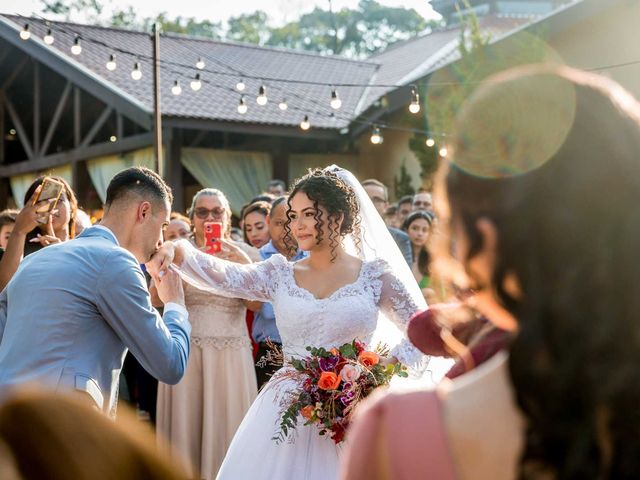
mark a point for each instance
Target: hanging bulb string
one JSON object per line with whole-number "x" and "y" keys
{"x": 238, "y": 73}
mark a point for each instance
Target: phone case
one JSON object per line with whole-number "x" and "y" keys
{"x": 50, "y": 189}
{"x": 212, "y": 235}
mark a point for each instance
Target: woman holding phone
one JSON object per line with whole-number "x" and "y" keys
{"x": 200, "y": 415}
{"x": 43, "y": 221}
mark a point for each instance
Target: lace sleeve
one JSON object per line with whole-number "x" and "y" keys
{"x": 256, "y": 281}
{"x": 398, "y": 305}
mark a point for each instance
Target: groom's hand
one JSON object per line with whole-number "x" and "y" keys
{"x": 169, "y": 287}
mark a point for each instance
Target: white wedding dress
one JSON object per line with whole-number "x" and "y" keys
{"x": 352, "y": 311}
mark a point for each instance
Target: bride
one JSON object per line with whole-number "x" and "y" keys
{"x": 355, "y": 282}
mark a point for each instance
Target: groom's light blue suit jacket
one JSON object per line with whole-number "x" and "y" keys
{"x": 71, "y": 311}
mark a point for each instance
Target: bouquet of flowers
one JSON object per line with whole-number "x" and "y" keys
{"x": 332, "y": 382}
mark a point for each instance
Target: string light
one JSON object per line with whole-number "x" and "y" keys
{"x": 430, "y": 142}
{"x": 76, "y": 48}
{"x": 283, "y": 105}
{"x": 111, "y": 64}
{"x": 376, "y": 136}
{"x": 48, "y": 38}
{"x": 196, "y": 83}
{"x": 443, "y": 152}
{"x": 25, "y": 33}
{"x": 136, "y": 73}
{"x": 262, "y": 96}
{"x": 304, "y": 124}
{"x": 113, "y": 138}
{"x": 414, "y": 106}
{"x": 336, "y": 103}
{"x": 176, "y": 89}
{"x": 200, "y": 64}
{"x": 240, "y": 86}
{"x": 242, "y": 106}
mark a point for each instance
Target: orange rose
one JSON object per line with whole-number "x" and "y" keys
{"x": 328, "y": 381}
{"x": 307, "y": 412}
{"x": 334, "y": 352}
{"x": 368, "y": 359}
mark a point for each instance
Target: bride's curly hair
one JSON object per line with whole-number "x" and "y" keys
{"x": 569, "y": 230}
{"x": 326, "y": 190}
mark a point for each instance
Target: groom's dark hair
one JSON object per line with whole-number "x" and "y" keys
{"x": 139, "y": 181}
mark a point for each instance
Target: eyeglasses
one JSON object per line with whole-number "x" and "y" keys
{"x": 203, "y": 213}
{"x": 422, "y": 204}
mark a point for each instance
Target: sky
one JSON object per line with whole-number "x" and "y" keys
{"x": 279, "y": 11}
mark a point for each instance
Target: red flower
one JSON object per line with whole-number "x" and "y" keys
{"x": 337, "y": 432}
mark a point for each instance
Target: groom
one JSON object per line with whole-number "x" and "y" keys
{"x": 72, "y": 309}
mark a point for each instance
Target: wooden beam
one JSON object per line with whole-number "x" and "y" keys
{"x": 77, "y": 118}
{"x": 57, "y": 114}
{"x": 99, "y": 150}
{"x": 36, "y": 106}
{"x": 22, "y": 134}
{"x": 7, "y": 83}
{"x": 174, "y": 170}
{"x": 96, "y": 126}
{"x": 198, "y": 138}
{"x": 3, "y": 132}
{"x": 119, "y": 126}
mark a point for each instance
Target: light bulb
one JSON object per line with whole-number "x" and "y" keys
{"x": 376, "y": 136}
{"x": 240, "y": 86}
{"x": 430, "y": 142}
{"x": 242, "y": 106}
{"x": 113, "y": 138}
{"x": 196, "y": 83}
{"x": 283, "y": 105}
{"x": 176, "y": 89}
{"x": 200, "y": 63}
{"x": 136, "y": 73}
{"x": 336, "y": 103}
{"x": 443, "y": 152}
{"x": 304, "y": 124}
{"x": 111, "y": 64}
{"x": 76, "y": 48}
{"x": 25, "y": 34}
{"x": 48, "y": 38}
{"x": 261, "y": 99}
{"x": 414, "y": 107}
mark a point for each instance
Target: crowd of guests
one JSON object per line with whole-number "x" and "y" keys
{"x": 543, "y": 331}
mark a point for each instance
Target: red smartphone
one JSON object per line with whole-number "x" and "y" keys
{"x": 212, "y": 236}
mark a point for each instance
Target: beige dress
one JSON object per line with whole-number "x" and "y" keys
{"x": 200, "y": 415}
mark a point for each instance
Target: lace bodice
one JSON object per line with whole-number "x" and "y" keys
{"x": 350, "y": 312}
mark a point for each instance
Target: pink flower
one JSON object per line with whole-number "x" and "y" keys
{"x": 350, "y": 373}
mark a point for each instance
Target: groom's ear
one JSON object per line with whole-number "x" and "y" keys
{"x": 143, "y": 211}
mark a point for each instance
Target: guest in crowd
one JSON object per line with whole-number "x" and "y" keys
{"x": 179, "y": 227}
{"x": 277, "y": 188}
{"x": 200, "y": 415}
{"x": 264, "y": 325}
{"x": 422, "y": 201}
{"x": 405, "y": 206}
{"x": 83, "y": 220}
{"x": 379, "y": 195}
{"x": 418, "y": 226}
{"x": 32, "y": 231}
{"x": 391, "y": 216}
{"x": 59, "y": 437}
{"x": 256, "y": 224}
{"x": 7, "y": 222}
{"x": 548, "y": 261}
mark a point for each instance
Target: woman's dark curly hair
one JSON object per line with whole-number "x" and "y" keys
{"x": 325, "y": 189}
{"x": 424, "y": 258}
{"x": 568, "y": 228}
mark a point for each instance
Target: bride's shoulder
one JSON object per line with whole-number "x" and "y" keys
{"x": 377, "y": 267}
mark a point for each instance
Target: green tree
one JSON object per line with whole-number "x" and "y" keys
{"x": 249, "y": 27}
{"x": 402, "y": 183}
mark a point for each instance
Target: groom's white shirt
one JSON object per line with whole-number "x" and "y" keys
{"x": 71, "y": 311}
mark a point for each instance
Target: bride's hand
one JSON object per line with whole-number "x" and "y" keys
{"x": 161, "y": 260}
{"x": 233, "y": 253}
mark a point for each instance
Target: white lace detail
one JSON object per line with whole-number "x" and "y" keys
{"x": 221, "y": 343}
{"x": 350, "y": 312}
